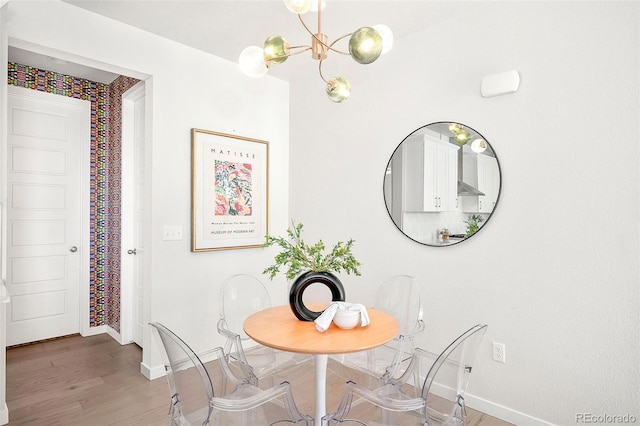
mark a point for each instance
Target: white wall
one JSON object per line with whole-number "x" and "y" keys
{"x": 186, "y": 89}
{"x": 555, "y": 273}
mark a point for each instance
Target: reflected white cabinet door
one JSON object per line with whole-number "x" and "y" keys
{"x": 481, "y": 171}
{"x": 430, "y": 174}
{"x": 488, "y": 182}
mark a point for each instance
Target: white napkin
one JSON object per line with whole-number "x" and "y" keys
{"x": 324, "y": 320}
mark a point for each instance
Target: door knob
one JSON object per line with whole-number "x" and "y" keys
{"x": 131, "y": 251}
{"x": 73, "y": 249}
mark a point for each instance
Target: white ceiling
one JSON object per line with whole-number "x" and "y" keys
{"x": 224, "y": 27}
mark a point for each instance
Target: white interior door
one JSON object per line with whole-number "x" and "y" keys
{"x": 47, "y": 225}
{"x": 133, "y": 186}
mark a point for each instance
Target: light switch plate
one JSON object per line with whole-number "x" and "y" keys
{"x": 172, "y": 232}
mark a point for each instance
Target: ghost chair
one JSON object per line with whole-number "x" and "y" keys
{"x": 439, "y": 401}
{"x": 195, "y": 400}
{"x": 240, "y": 296}
{"x": 399, "y": 296}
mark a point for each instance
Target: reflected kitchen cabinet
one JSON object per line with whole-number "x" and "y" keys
{"x": 483, "y": 172}
{"x": 430, "y": 174}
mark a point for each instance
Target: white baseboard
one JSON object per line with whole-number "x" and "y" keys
{"x": 4, "y": 414}
{"x": 207, "y": 356}
{"x": 114, "y": 334}
{"x": 503, "y": 413}
{"x": 152, "y": 373}
{"x": 92, "y": 331}
{"x": 493, "y": 409}
{"x": 118, "y": 337}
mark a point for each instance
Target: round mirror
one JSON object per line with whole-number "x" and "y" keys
{"x": 442, "y": 184}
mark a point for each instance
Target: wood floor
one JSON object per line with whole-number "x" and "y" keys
{"x": 96, "y": 381}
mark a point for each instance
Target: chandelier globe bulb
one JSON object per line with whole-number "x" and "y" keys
{"x": 478, "y": 145}
{"x": 276, "y": 49}
{"x": 252, "y": 62}
{"x": 455, "y": 128}
{"x": 338, "y": 89}
{"x": 387, "y": 37}
{"x": 298, "y": 6}
{"x": 365, "y": 45}
{"x": 462, "y": 137}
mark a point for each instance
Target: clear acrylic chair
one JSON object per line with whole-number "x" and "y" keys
{"x": 240, "y": 296}
{"x": 439, "y": 401}
{"x": 194, "y": 400}
{"x": 399, "y": 296}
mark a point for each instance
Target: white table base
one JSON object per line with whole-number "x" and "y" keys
{"x": 320, "y": 364}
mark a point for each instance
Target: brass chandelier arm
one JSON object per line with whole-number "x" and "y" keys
{"x": 328, "y": 46}
{"x": 305, "y": 25}
{"x": 337, "y": 40}
{"x": 302, "y": 50}
{"x": 320, "y": 71}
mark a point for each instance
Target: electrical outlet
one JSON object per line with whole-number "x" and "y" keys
{"x": 499, "y": 352}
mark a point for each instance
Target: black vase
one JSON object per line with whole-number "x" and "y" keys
{"x": 305, "y": 280}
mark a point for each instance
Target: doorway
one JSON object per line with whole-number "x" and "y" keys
{"x": 104, "y": 306}
{"x": 133, "y": 190}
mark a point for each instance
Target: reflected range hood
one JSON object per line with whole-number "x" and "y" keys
{"x": 466, "y": 189}
{"x": 463, "y": 187}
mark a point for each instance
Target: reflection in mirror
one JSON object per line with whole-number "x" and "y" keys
{"x": 442, "y": 184}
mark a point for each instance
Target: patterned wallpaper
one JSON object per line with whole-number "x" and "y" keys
{"x": 114, "y": 199}
{"x": 105, "y": 176}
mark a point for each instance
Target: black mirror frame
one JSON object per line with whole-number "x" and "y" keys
{"x": 384, "y": 195}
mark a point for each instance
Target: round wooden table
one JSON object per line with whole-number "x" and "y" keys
{"x": 278, "y": 328}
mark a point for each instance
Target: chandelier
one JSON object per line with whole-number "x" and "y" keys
{"x": 462, "y": 136}
{"x": 366, "y": 44}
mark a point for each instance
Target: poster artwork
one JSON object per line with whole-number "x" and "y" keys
{"x": 233, "y": 189}
{"x": 230, "y": 191}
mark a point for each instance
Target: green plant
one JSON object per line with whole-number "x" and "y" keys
{"x": 299, "y": 257}
{"x": 473, "y": 224}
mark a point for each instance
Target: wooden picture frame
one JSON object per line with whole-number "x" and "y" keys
{"x": 229, "y": 191}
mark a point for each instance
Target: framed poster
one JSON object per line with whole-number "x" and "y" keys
{"x": 229, "y": 191}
